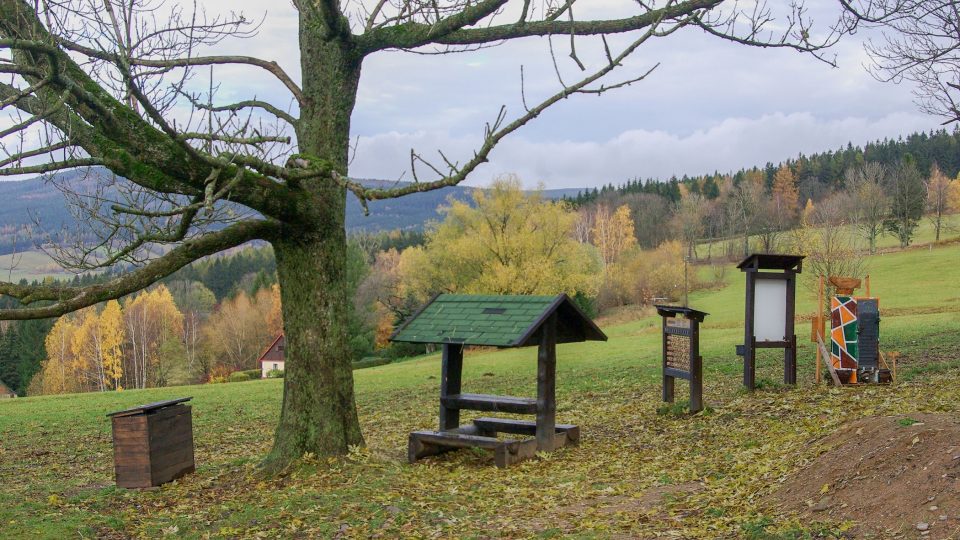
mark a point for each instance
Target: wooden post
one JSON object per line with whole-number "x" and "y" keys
{"x": 867, "y": 279}
{"x": 668, "y": 381}
{"x": 547, "y": 385}
{"x": 790, "y": 352}
{"x": 451, "y": 373}
{"x": 696, "y": 368}
{"x": 818, "y": 321}
{"x": 749, "y": 345}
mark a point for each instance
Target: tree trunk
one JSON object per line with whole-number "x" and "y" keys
{"x": 319, "y": 413}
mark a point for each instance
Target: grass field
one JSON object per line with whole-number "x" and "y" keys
{"x": 637, "y": 472}
{"x": 924, "y": 235}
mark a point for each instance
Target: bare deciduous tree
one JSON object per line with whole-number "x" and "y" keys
{"x": 871, "y": 205}
{"x": 117, "y": 84}
{"x": 922, "y": 45}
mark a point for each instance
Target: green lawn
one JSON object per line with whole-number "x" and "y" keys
{"x": 925, "y": 234}
{"x": 56, "y": 458}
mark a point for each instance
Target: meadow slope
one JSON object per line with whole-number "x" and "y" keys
{"x": 637, "y": 473}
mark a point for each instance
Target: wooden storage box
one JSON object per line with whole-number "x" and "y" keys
{"x": 153, "y": 443}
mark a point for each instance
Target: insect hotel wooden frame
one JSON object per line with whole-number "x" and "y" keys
{"x": 770, "y": 308}
{"x": 681, "y": 352}
{"x": 455, "y": 321}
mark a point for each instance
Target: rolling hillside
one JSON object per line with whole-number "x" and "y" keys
{"x": 24, "y": 202}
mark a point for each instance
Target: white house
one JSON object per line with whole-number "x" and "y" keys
{"x": 273, "y": 357}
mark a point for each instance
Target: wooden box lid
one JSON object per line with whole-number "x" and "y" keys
{"x": 149, "y": 407}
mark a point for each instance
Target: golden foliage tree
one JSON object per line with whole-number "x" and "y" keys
{"x": 238, "y": 331}
{"x": 111, "y": 331}
{"x": 509, "y": 242}
{"x": 56, "y": 375}
{"x": 87, "y": 352}
{"x": 612, "y": 233}
{"x": 938, "y": 198}
{"x": 153, "y": 323}
{"x": 785, "y": 193}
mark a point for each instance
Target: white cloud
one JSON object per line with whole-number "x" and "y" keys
{"x": 725, "y": 146}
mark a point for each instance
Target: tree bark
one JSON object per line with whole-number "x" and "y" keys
{"x": 319, "y": 413}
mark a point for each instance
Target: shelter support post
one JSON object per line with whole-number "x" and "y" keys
{"x": 547, "y": 385}
{"x": 451, "y": 373}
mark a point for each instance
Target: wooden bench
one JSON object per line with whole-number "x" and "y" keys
{"x": 483, "y": 434}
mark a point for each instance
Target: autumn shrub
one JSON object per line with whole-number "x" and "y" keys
{"x": 245, "y": 375}
{"x": 640, "y": 276}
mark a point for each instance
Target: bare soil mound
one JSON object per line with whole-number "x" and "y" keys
{"x": 893, "y": 476}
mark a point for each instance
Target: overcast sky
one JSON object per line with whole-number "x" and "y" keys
{"x": 711, "y": 105}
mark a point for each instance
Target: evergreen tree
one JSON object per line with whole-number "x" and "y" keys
{"x": 9, "y": 368}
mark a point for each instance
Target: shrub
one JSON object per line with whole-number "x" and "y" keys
{"x": 247, "y": 375}
{"x": 275, "y": 374}
{"x": 370, "y": 361}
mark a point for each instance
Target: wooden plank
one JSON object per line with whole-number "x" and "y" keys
{"x": 547, "y": 385}
{"x": 457, "y": 440}
{"x": 503, "y": 456}
{"x": 826, "y": 360}
{"x": 490, "y": 403}
{"x": 517, "y": 427}
{"x": 141, "y": 409}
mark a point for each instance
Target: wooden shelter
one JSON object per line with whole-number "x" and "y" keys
{"x": 681, "y": 352}
{"x": 458, "y": 320}
{"x": 770, "y": 306}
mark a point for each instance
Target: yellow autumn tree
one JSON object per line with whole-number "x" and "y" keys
{"x": 786, "y": 194}
{"x": 613, "y": 233}
{"x": 508, "y": 242}
{"x": 268, "y": 303}
{"x": 237, "y": 332}
{"x": 111, "y": 337}
{"x": 154, "y": 327}
{"x": 87, "y": 352}
{"x": 56, "y": 373}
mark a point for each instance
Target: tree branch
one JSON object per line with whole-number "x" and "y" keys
{"x": 67, "y": 299}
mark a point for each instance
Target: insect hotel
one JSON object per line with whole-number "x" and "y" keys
{"x": 771, "y": 302}
{"x": 152, "y": 443}
{"x": 681, "y": 352}
{"x": 854, "y": 355}
{"x": 455, "y": 321}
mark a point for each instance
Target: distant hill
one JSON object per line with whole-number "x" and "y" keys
{"x": 25, "y": 202}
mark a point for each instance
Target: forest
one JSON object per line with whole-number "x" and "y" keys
{"x": 610, "y": 247}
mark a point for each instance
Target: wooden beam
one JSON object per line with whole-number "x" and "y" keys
{"x": 749, "y": 346}
{"x": 547, "y": 385}
{"x": 818, "y": 325}
{"x": 451, "y": 373}
{"x": 696, "y": 369}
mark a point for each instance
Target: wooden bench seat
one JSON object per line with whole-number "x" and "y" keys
{"x": 489, "y": 403}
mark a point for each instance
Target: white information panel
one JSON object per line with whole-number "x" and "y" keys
{"x": 770, "y": 309}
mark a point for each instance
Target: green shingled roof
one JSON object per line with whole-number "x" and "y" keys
{"x": 500, "y": 321}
